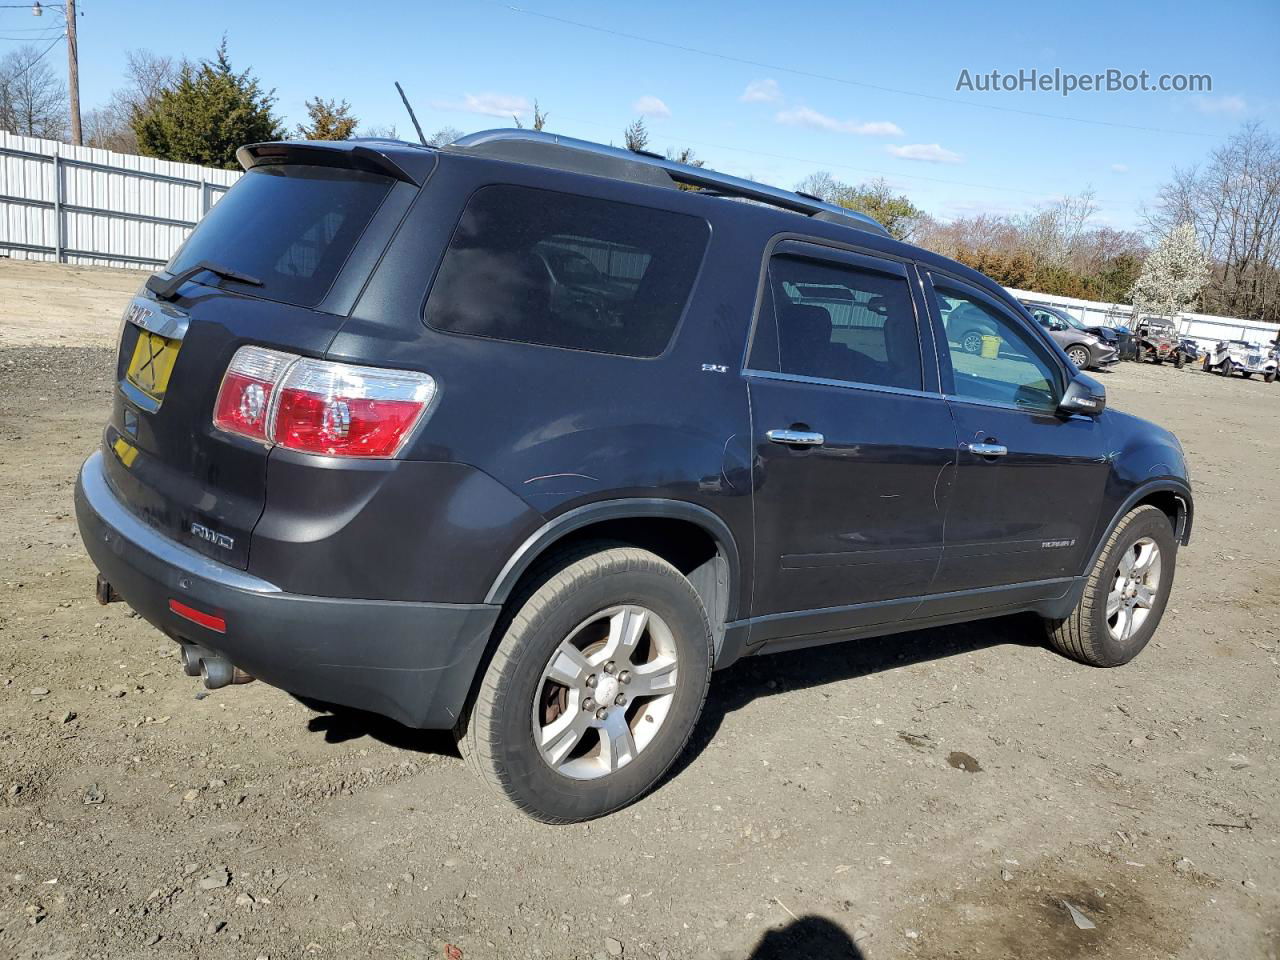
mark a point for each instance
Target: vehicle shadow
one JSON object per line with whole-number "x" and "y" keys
{"x": 808, "y": 938}
{"x": 747, "y": 681}
{"x": 753, "y": 678}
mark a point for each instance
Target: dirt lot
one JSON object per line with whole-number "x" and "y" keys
{"x": 822, "y": 811}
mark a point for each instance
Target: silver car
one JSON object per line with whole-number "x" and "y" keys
{"x": 1087, "y": 350}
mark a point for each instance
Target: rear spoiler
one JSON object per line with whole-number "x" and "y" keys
{"x": 351, "y": 155}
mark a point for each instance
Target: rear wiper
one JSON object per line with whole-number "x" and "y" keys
{"x": 168, "y": 289}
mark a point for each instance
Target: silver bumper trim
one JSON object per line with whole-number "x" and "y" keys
{"x": 119, "y": 522}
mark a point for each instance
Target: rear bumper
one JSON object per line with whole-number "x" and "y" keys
{"x": 410, "y": 661}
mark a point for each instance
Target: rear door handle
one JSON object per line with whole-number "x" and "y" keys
{"x": 796, "y": 438}
{"x": 987, "y": 449}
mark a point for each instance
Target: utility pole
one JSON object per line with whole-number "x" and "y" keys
{"x": 73, "y": 73}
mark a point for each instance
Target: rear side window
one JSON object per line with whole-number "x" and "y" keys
{"x": 290, "y": 226}
{"x": 537, "y": 266}
{"x": 837, "y": 322}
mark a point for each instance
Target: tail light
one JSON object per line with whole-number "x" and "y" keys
{"x": 248, "y": 387}
{"x": 317, "y": 406}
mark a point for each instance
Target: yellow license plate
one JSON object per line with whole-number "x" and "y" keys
{"x": 152, "y": 363}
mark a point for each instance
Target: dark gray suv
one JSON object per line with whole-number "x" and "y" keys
{"x": 515, "y": 438}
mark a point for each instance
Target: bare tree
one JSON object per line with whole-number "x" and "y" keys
{"x": 147, "y": 75}
{"x": 1233, "y": 204}
{"x": 444, "y": 135}
{"x": 33, "y": 101}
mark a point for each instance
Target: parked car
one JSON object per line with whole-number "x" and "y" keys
{"x": 360, "y": 448}
{"x": 1242, "y": 357}
{"x": 1190, "y": 349}
{"x": 1111, "y": 334}
{"x": 1158, "y": 341}
{"x": 1087, "y": 347}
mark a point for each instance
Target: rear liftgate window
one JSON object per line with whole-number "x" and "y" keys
{"x": 537, "y": 266}
{"x": 290, "y": 226}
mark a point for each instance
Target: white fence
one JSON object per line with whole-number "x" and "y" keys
{"x": 81, "y": 205}
{"x": 1204, "y": 328}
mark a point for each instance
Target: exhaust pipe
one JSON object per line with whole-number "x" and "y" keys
{"x": 220, "y": 672}
{"x": 216, "y": 670}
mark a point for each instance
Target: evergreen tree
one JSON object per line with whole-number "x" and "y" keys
{"x": 328, "y": 120}
{"x": 636, "y": 136}
{"x": 208, "y": 113}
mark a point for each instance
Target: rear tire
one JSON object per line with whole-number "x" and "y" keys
{"x": 1268, "y": 377}
{"x": 512, "y": 735}
{"x": 1095, "y": 631}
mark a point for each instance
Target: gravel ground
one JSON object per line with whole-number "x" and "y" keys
{"x": 938, "y": 794}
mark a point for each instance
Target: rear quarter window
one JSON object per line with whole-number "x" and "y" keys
{"x": 539, "y": 266}
{"x": 292, "y": 226}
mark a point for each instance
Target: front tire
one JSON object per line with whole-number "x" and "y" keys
{"x": 1080, "y": 357}
{"x": 971, "y": 342}
{"x": 1125, "y": 594}
{"x": 595, "y": 686}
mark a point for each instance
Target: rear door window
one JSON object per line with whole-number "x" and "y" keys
{"x": 291, "y": 226}
{"x": 837, "y": 321}
{"x": 537, "y": 266}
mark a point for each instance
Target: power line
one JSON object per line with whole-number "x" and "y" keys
{"x": 730, "y": 58}
{"x": 27, "y": 69}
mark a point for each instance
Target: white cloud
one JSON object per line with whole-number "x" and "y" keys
{"x": 1225, "y": 104}
{"x": 503, "y": 105}
{"x": 650, "y": 106}
{"x": 808, "y": 117}
{"x": 762, "y": 91}
{"x": 1119, "y": 168}
{"x": 924, "y": 152}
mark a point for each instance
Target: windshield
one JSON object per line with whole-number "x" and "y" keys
{"x": 290, "y": 226}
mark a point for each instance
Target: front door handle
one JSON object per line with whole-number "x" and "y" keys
{"x": 796, "y": 438}
{"x": 987, "y": 449}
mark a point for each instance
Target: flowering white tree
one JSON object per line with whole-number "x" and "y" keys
{"x": 1172, "y": 276}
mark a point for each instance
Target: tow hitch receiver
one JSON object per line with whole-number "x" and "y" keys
{"x": 105, "y": 592}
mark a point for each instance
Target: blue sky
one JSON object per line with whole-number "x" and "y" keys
{"x": 463, "y": 61}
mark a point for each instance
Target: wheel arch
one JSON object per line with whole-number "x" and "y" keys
{"x": 690, "y": 537}
{"x": 1170, "y": 496}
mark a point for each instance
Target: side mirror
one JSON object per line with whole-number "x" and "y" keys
{"x": 1084, "y": 395}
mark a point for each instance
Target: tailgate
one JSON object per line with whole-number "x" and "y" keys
{"x": 198, "y": 485}
{"x": 278, "y": 263}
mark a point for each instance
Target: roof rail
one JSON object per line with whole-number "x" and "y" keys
{"x": 568, "y": 153}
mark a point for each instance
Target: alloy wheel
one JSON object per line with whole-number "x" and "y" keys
{"x": 605, "y": 692}
{"x": 1134, "y": 589}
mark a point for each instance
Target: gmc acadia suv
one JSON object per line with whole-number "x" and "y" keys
{"x": 515, "y": 438}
